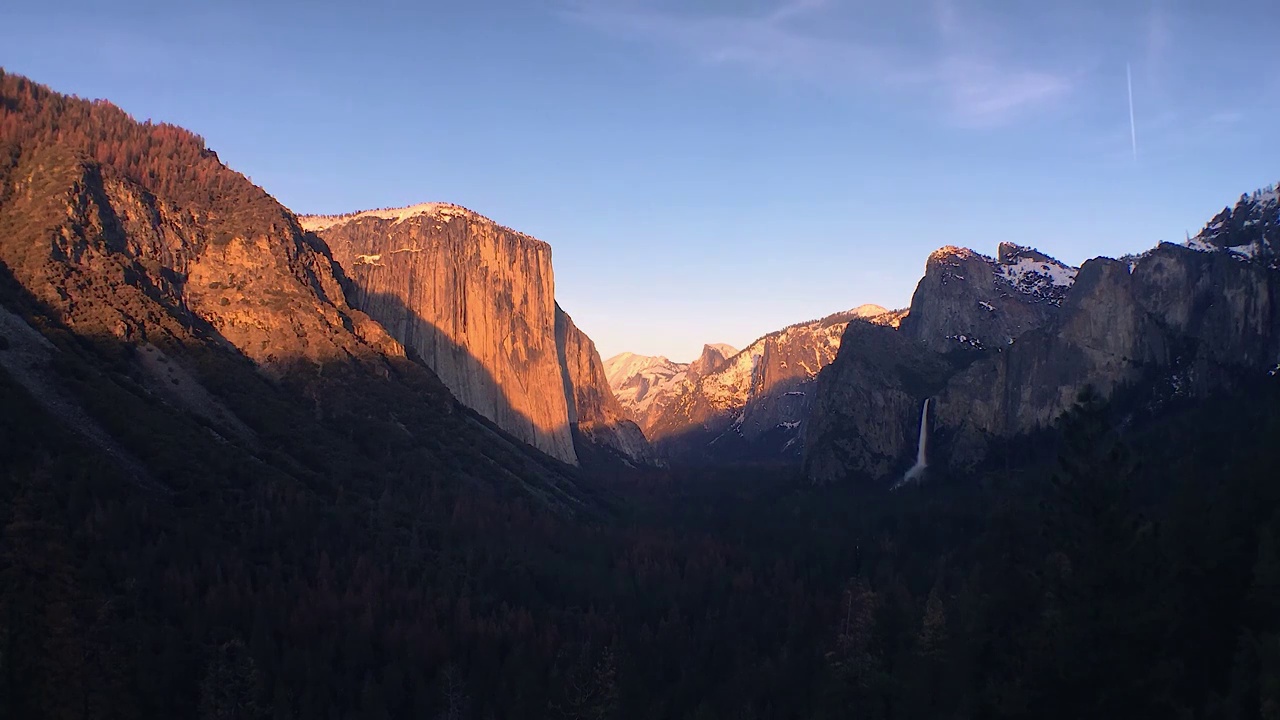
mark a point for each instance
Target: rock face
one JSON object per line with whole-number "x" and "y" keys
{"x": 753, "y": 405}
{"x": 1249, "y": 230}
{"x": 713, "y": 358}
{"x": 968, "y": 301}
{"x": 476, "y": 301}
{"x": 184, "y": 291}
{"x": 866, "y": 413}
{"x": 595, "y": 415}
{"x": 1176, "y": 320}
{"x": 123, "y": 261}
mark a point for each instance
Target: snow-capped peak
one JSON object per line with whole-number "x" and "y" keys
{"x": 1249, "y": 231}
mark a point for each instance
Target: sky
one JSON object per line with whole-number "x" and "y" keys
{"x": 709, "y": 171}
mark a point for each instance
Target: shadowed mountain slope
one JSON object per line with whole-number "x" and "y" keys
{"x": 183, "y": 284}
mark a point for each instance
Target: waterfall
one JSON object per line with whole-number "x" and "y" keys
{"x": 922, "y": 450}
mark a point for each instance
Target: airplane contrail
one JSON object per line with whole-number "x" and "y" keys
{"x": 1133, "y": 126}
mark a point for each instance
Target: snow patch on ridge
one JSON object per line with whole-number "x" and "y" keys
{"x": 1248, "y": 232}
{"x": 638, "y": 380}
{"x": 1031, "y": 272}
{"x": 1029, "y": 275}
{"x": 732, "y": 385}
{"x": 316, "y": 223}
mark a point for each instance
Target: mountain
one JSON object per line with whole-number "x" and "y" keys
{"x": 713, "y": 357}
{"x": 1004, "y": 346}
{"x": 632, "y": 376}
{"x": 968, "y": 301}
{"x": 645, "y": 384}
{"x": 178, "y": 318}
{"x": 599, "y": 423}
{"x": 476, "y": 301}
{"x": 750, "y": 405}
{"x": 226, "y": 492}
{"x": 1250, "y": 230}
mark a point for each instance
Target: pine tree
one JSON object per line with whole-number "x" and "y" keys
{"x": 230, "y": 688}
{"x": 931, "y": 642}
{"x": 1242, "y": 701}
{"x": 853, "y": 662}
{"x": 592, "y": 688}
{"x": 455, "y": 700}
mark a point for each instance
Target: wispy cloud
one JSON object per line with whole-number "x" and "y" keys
{"x": 983, "y": 93}
{"x": 796, "y": 8}
{"x": 1159, "y": 36}
{"x": 769, "y": 42}
{"x": 1226, "y": 117}
{"x": 946, "y": 57}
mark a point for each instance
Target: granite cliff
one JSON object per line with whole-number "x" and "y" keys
{"x": 1003, "y": 346}
{"x": 967, "y": 301}
{"x": 476, "y": 301}
{"x": 597, "y": 419}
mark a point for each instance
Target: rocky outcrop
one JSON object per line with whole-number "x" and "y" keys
{"x": 1179, "y": 320}
{"x": 594, "y": 413}
{"x": 1250, "y": 230}
{"x": 968, "y": 301}
{"x": 712, "y": 359}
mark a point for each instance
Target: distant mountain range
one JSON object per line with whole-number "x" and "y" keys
{"x": 188, "y": 284}
{"x": 734, "y": 405}
{"x": 642, "y": 381}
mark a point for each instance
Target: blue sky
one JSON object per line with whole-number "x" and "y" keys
{"x": 710, "y": 171}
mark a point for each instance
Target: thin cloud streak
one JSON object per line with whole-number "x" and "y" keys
{"x": 797, "y": 8}
{"x": 1133, "y": 124}
{"x": 961, "y": 72}
{"x": 984, "y": 94}
{"x": 1159, "y": 39}
{"x": 767, "y": 44}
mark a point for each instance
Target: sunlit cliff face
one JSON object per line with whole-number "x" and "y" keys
{"x": 474, "y": 300}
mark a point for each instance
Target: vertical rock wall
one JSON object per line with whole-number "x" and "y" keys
{"x": 474, "y": 299}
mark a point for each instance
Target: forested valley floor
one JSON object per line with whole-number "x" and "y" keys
{"x": 1113, "y": 568}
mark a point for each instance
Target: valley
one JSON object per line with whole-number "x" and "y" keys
{"x": 259, "y": 465}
